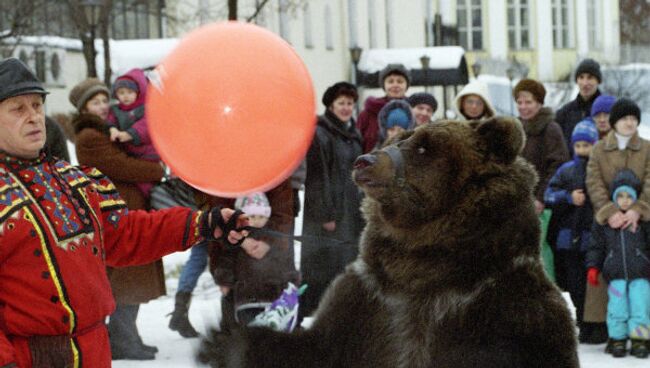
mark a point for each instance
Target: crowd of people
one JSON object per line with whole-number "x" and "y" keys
{"x": 73, "y": 236}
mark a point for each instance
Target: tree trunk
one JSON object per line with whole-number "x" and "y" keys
{"x": 89, "y": 55}
{"x": 232, "y": 9}
{"x": 104, "y": 22}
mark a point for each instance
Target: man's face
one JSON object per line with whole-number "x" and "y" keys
{"x": 588, "y": 85}
{"x": 22, "y": 125}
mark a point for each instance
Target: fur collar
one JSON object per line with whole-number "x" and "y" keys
{"x": 538, "y": 123}
{"x": 82, "y": 121}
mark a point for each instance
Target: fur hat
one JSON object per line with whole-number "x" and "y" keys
{"x": 530, "y": 85}
{"x": 602, "y": 103}
{"x": 622, "y": 108}
{"x": 16, "y": 79}
{"x": 125, "y": 82}
{"x": 254, "y": 204}
{"x": 394, "y": 69}
{"x": 625, "y": 180}
{"x": 589, "y": 66}
{"x": 338, "y": 89}
{"x": 585, "y": 131}
{"x": 85, "y": 90}
{"x": 423, "y": 98}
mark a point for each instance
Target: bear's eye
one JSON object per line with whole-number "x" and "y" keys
{"x": 421, "y": 150}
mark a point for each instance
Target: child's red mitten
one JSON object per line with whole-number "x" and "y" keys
{"x": 592, "y": 276}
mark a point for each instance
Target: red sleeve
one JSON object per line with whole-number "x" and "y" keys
{"x": 139, "y": 237}
{"x": 7, "y": 356}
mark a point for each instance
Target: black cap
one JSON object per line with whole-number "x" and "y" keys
{"x": 337, "y": 89}
{"x": 622, "y": 108}
{"x": 423, "y": 98}
{"x": 589, "y": 66}
{"x": 16, "y": 79}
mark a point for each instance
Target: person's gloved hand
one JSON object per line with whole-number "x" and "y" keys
{"x": 592, "y": 276}
{"x": 224, "y": 223}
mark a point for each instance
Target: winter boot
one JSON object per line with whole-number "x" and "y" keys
{"x": 618, "y": 348}
{"x": 180, "y": 322}
{"x": 639, "y": 348}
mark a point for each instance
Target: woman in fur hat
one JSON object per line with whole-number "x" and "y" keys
{"x": 131, "y": 285}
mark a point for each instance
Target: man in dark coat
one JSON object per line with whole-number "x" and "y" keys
{"x": 588, "y": 77}
{"x": 332, "y": 219}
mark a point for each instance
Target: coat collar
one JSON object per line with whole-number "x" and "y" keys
{"x": 83, "y": 121}
{"x": 611, "y": 144}
{"x": 538, "y": 123}
{"x": 330, "y": 122}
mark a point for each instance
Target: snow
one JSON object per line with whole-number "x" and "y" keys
{"x": 51, "y": 41}
{"x": 442, "y": 57}
{"x": 129, "y": 54}
{"x": 205, "y": 311}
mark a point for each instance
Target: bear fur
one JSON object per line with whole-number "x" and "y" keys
{"x": 449, "y": 271}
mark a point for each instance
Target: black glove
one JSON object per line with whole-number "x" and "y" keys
{"x": 212, "y": 219}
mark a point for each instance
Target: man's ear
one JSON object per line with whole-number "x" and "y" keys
{"x": 502, "y": 138}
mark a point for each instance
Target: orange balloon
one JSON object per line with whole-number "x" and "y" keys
{"x": 231, "y": 109}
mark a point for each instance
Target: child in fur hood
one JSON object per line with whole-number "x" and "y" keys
{"x": 127, "y": 121}
{"x": 623, "y": 257}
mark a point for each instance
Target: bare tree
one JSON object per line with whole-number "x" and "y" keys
{"x": 635, "y": 22}
{"x": 17, "y": 17}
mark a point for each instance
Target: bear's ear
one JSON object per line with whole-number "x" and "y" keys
{"x": 503, "y": 138}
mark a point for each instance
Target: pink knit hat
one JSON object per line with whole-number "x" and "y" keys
{"x": 254, "y": 204}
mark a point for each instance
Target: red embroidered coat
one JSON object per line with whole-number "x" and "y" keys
{"x": 60, "y": 226}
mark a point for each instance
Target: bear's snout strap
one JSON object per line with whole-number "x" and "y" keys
{"x": 397, "y": 159}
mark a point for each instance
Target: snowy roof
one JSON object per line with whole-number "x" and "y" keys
{"x": 52, "y": 41}
{"x": 129, "y": 54}
{"x": 441, "y": 57}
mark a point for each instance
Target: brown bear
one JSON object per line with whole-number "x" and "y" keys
{"x": 449, "y": 271}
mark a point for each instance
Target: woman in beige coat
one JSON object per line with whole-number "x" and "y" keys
{"x": 621, "y": 148}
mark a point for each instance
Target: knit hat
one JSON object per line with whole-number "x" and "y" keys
{"x": 16, "y": 79}
{"x": 622, "y": 108}
{"x": 397, "y": 117}
{"x": 339, "y": 89}
{"x": 625, "y": 178}
{"x": 423, "y": 98}
{"x": 254, "y": 204}
{"x": 589, "y": 66}
{"x": 394, "y": 69}
{"x": 530, "y": 85}
{"x": 602, "y": 103}
{"x": 124, "y": 82}
{"x": 86, "y": 90}
{"x": 585, "y": 131}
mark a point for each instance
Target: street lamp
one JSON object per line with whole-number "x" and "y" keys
{"x": 510, "y": 73}
{"x": 476, "y": 69}
{"x": 92, "y": 8}
{"x": 355, "y": 55}
{"x": 425, "y": 60}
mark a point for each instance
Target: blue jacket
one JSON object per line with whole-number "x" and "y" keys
{"x": 574, "y": 222}
{"x": 620, "y": 254}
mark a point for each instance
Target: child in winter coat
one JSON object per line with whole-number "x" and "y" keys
{"x": 394, "y": 118}
{"x": 567, "y": 196}
{"x": 127, "y": 119}
{"x": 255, "y": 274}
{"x": 622, "y": 255}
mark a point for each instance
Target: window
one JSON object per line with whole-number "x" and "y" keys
{"x": 562, "y": 30}
{"x": 593, "y": 24}
{"x": 470, "y": 24}
{"x": 329, "y": 37}
{"x": 135, "y": 19}
{"x": 518, "y": 24}
{"x": 306, "y": 18}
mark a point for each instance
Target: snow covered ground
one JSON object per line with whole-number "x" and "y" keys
{"x": 176, "y": 351}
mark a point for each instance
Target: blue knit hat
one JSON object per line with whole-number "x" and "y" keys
{"x": 625, "y": 180}
{"x": 585, "y": 131}
{"x": 624, "y": 188}
{"x": 398, "y": 117}
{"x": 602, "y": 103}
{"x": 125, "y": 83}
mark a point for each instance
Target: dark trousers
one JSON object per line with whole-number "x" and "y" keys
{"x": 122, "y": 329}
{"x": 575, "y": 277}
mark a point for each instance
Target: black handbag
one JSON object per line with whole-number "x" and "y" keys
{"x": 172, "y": 192}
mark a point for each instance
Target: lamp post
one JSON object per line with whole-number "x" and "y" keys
{"x": 425, "y": 60}
{"x": 355, "y": 55}
{"x": 510, "y": 73}
{"x": 476, "y": 69}
{"x": 92, "y": 8}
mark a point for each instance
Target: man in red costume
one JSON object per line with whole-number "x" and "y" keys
{"x": 60, "y": 226}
